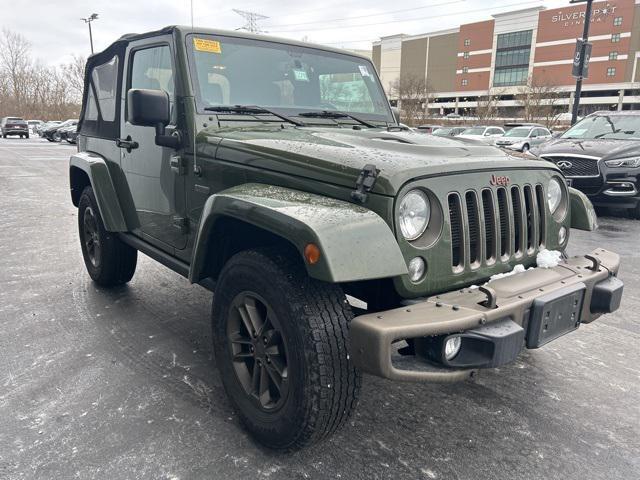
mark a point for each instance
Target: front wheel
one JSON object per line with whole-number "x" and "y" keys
{"x": 108, "y": 259}
{"x": 280, "y": 343}
{"x": 525, "y": 148}
{"x": 57, "y": 137}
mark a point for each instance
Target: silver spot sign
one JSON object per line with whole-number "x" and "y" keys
{"x": 580, "y": 66}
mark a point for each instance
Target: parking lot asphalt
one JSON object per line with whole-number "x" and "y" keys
{"x": 121, "y": 384}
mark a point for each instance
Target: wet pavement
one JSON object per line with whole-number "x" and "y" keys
{"x": 121, "y": 383}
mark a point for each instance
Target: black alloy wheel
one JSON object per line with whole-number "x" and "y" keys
{"x": 91, "y": 237}
{"x": 258, "y": 351}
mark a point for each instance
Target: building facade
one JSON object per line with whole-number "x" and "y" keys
{"x": 498, "y": 58}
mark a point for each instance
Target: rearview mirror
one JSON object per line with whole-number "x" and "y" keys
{"x": 152, "y": 108}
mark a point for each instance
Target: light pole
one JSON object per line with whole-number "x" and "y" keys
{"x": 585, "y": 40}
{"x": 92, "y": 17}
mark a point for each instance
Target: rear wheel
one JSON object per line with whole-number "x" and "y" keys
{"x": 108, "y": 259}
{"x": 280, "y": 342}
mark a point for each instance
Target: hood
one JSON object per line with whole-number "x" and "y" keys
{"x": 600, "y": 148}
{"x": 337, "y": 155}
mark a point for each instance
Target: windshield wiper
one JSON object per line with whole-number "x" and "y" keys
{"x": 253, "y": 109}
{"x": 337, "y": 114}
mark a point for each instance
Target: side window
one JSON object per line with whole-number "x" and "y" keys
{"x": 91, "y": 112}
{"x": 152, "y": 69}
{"x": 105, "y": 79}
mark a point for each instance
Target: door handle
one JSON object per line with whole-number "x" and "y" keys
{"x": 127, "y": 143}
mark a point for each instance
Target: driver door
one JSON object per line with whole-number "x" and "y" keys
{"x": 157, "y": 192}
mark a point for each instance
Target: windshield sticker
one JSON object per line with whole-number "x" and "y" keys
{"x": 364, "y": 71}
{"x": 204, "y": 45}
{"x": 301, "y": 75}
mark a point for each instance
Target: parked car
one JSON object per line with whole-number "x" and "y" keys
{"x": 302, "y": 196}
{"x": 52, "y": 133}
{"x": 33, "y": 125}
{"x": 68, "y": 133}
{"x": 14, "y": 126}
{"x": 426, "y": 128}
{"x": 600, "y": 155}
{"x": 449, "y": 131}
{"x": 486, "y": 134}
{"x": 522, "y": 138}
{"x": 41, "y": 128}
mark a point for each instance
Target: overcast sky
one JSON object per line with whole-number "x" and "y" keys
{"x": 56, "y": 32}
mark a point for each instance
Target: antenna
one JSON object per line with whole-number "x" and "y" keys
{"x": 251, "y": 18}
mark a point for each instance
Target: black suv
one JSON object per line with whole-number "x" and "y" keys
{"x": 600, "y": 155}
{"x": 14, "y": 126}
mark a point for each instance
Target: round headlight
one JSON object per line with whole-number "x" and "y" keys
{"x": 414, "y": 214}
{"x": 554, "y": 194}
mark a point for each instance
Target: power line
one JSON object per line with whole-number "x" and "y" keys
{"x": 404, "y": 21}
{"x": 367, "y": 16}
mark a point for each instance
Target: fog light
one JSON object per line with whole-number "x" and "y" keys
{"x": 416, "y": 269}
{"x": 562, "y": 235}
{"x": 452, "y": 347}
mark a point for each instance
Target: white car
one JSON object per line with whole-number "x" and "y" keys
{"x": 523, "y": 138}
{"x": 484, "y": 134}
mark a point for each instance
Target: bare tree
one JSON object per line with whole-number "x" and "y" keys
{"x": 32, "y": 90}
{"x": 414, "y": 93}
{"x": 74, "y": 71}
{"x": 487, "y": 108}
{"x": 540, "y": 101}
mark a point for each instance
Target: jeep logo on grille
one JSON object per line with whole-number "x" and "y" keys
{"x": 564, "y": 165}
{"x": 499, "y": 180}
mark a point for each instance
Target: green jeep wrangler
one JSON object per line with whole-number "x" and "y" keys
{"x": 337, "y": 242}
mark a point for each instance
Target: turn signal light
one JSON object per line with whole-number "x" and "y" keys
{"x": 312, "y": 253}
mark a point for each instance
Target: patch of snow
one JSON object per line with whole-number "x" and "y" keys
{"x": 517, "y": 269}
{"x": 548, "y": 258}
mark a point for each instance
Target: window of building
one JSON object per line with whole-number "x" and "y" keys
{"x": 615, "y": 38}
{"x": 465, "y": 69}
{"x": 513, "y": 54}
{"x": 613, "y": 55}
{"x": 611, "y": 72}
{"x": 617, "y": 21}
{"x": 466, "y": 55}
{"x": 467, "y": 42}
{"x": 465, "y": 82}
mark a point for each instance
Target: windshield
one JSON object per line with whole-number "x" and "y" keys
{"x": 520, "y": 132}
{"x": 473, "y": 131}
{"x": 620, "y": 127}
{"x": 240, "y": 71}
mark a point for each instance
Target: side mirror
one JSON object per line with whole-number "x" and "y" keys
{"x": 396, "y": 114}
{"x": 151, "y": 108}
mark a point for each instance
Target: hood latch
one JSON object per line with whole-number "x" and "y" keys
{"x": 365, "y": 182}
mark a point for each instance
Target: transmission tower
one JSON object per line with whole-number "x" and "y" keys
{"x": 251, "y": 18}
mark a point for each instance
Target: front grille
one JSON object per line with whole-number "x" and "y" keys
{"x": 575, "y": 166}
{"x": 493, "y": 226}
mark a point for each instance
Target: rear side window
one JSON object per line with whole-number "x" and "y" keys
{"x": 105, "y": 80}
{"x": 91, "y": 112}
{"x": 152, "y": 69}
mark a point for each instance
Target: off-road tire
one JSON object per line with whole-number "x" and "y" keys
{"x": 323, "y": 386}
{"x": 115, "y": 261}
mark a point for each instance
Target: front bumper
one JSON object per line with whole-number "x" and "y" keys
{"x": 502, "y": 323}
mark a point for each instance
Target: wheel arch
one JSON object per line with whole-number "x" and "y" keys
{"x": 89, "y": 169}
{"x": 355, "y": 243}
